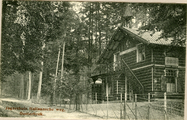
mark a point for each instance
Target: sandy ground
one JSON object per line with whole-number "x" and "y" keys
{"x": 63, "y": 114}
{"x": 113, "y": 111}
{"x": 90, "y": 111}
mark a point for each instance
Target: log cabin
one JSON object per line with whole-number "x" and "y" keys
{"x": 139, "y": 63}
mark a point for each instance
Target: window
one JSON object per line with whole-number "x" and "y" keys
{"x": 171, "y": 61}
{"x": 171, "y": 79}
{"x": 140, "y": 53}
{"x": 116, "y": 61}
{"x": 171, "y": 72}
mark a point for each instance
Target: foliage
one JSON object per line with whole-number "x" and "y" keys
{"x": 170, "y": 19}
{"x": 9, "y": 39}
{"x": 27, "y": 26}
{"x": 33, "y": 31}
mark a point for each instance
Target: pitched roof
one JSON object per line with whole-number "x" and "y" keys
{"x": 149, "y": 37}
{"x": 145, "y": 37}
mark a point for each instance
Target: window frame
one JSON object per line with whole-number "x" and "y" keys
{"x": 116, "y": 60}
{"x": 172, "y": 75}
{"x": 138, "y": 53}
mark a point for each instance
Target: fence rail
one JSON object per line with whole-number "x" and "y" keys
{"x": 138, "y": 107}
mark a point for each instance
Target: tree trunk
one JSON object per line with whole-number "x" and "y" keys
{"x": 40, "y": 82}
{"x": 1, "y": 87}
{"x": 62, "y": 68}
{"x": 56, "y": 74}
{"x": 29, "y": 89}
{"x": 77, "y": 102}
{"x": 22, "y": 86}
{"x": 40, "y": 78}
{"x": 70, "y": 102}
{"x": 63, "y": 52}
{"x": 57, "y": 63}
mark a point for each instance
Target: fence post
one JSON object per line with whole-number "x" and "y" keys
{"x": 132, "y": 98}
{"x": 56, "y": 101}
{"x": 96, "y": 97}
{"x": 165, "y": 106}
{"x": 148, "y": 97}
{"x": 117, "y": 89}
{"x": 136, "y": 107}
{"x": 107, "y": 103}
{"x": 121, "y": 106}
{"x": 86, "y": 102}
{"x": 148, "y": 116}
{"x": 96, "y": 103}
{"x": 170, "y": 108}
{"x": 125, "y": 105}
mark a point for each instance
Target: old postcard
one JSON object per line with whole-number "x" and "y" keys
{"x": 92, "y": 60}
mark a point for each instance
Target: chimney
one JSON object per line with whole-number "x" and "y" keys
{"x": 127, "y": 17}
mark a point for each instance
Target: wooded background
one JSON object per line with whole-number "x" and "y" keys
{"x": 51, "y": 48}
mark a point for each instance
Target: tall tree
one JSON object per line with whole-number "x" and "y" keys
{"x": 28, "y": 27}
{"x": 170, "y": 19}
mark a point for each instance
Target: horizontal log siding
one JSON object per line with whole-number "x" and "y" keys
{"x": 122, "y": 46}
{"x": 181, "y": 54}
{"x": 157, "y": 73}
{"x": 182, "y": 58}
{"x": 158, "y": 56}
{"x": 131, "y": 58}
{"x": 145, "y": 77}
{"x": 144, "y": 74}
{"x": 121, "y": 85}
{"x": 181, "y": 81}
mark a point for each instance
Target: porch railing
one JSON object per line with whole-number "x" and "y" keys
{"x": 107, "y": 68}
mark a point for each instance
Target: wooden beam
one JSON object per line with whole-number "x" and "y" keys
{"x": 121, "y": 37}
{"x": 115, "y": 45}
{"x": 125, "y": 87}
{"x": 128, "y": 51}
{"x": 143, "y": 67}
{"x": 109, "y": 54}
{"x": 106, "y": 54}
{"x": 133, "y": 74}
{"x": 117, "y": 35}
{"x": 152, "y": 55}
{"x": 111, "y": 45}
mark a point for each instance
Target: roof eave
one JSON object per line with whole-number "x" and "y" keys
{"x": 135, "y": 36}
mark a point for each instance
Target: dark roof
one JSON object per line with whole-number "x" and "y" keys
{"x": 145, "y": 37}
{"x": 149, "y": 36}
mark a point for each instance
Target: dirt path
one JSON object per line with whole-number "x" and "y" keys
{"x": 31, "y": 110}
{"x": 112, "y": 110}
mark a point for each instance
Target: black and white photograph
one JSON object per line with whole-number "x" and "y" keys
{"x": 92, "y": 60}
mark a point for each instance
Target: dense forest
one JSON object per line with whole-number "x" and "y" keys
{"x": 51, "y": 48}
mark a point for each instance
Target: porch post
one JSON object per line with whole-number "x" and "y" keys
{"x": 103, "y": 91}
{"x": 125, "y": 87}
{"x": 107, "y": 98}
{"x": 117, "y": 89}
{"x": 176, "y": 85}
{"x": 106, "y": 89}
{"x": 129, "y": 91}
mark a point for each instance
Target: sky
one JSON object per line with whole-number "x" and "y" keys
{"x": 76, "y": 6}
